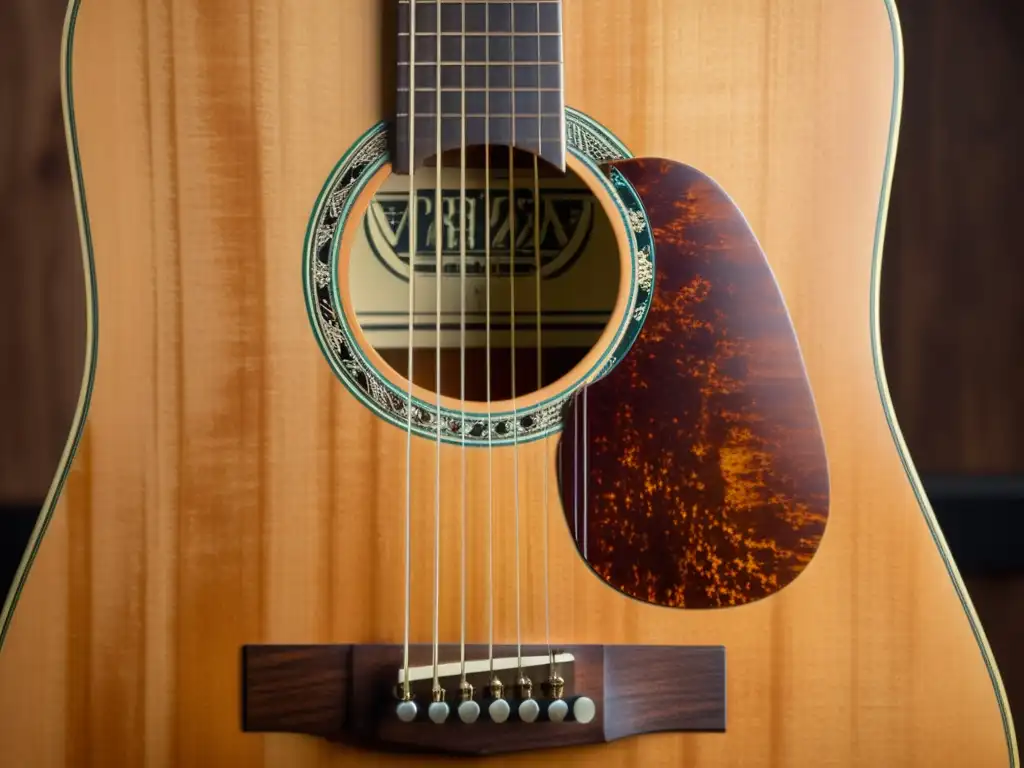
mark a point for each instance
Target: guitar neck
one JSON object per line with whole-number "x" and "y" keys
{"x": 482, "y": 74}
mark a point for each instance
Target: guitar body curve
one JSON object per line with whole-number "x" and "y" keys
{"x": 222, "y": 489}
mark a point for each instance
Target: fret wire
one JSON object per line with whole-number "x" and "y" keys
{"x": 561, "y": 75}
{"x": 471, "y": 33}
{"x": 491, "y": 3}
{"x": 524, "y": 89}
{"x": 509, "y": 63}
{"x": 458, "y": 115}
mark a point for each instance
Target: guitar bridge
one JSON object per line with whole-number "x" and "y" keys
{"x": 592, "y": 694}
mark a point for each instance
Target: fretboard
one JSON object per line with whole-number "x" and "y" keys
{"x": 494, "y": 66}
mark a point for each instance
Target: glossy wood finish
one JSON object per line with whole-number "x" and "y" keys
{"x": 344, "y": 693}
{"x": 952, "y": 404}
{"x": 228, "y": 491}
{"x": 705, "y": 481}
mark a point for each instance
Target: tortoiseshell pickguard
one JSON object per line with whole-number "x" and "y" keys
{"x": 707, "y": 477}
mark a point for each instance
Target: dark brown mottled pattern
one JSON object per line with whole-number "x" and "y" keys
{"x": 708, "y": 483}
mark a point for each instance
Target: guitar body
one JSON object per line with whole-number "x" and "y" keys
{"x": 225, "y": 485}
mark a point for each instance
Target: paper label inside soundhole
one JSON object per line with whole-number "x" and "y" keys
{"x": 579, "y": 262}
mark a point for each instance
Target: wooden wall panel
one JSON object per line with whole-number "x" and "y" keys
{"x": 42, "y": 320}
{"x": 999, "y": 600}
{"x": 953, "y": 273}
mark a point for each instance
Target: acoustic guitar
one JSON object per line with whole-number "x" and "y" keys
{"x": 487, "y": 382}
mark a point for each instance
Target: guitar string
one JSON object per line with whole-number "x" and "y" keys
{"x": 586, "y": 385}
{"x": 512, "y": 345}
{"x": 540, "y": 385}
{"x": 586, "y": 478}
{"x": 487, "y": 331}
{"x": 576, "y": 472}
{"x": 461, "y": 234}
{"x": 438, "y": 274}
{"x": 540, "y": 352}
{"x": 406, "y": 693}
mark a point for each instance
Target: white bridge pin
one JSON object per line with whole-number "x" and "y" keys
{"x": 558, "y": 710}
{"x": 529, "y": 711}
{"x": 584, "y": 709}
{"x": 469, "y": 711}
{"x": 438, "y": 712}
{"x": 499, "y": 710}
{"x": 406, "y": 711}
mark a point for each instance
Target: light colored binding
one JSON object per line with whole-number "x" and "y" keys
{"x": 78, "y": 421}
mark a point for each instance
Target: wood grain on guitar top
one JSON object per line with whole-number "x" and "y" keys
{"x": 228, "y": 490}
{"x": 706, "y": 478}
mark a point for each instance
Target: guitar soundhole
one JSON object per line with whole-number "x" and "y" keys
{"x": 579, "y": 273}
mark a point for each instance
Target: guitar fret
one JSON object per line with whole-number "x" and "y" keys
{"x": 478, "y": 89}
{"x": 532, "y": 17}
{"x": 533, "y": 48}
{"x": 517, "y": 101}
{"x": 467, "y": 33}
{"x": 459, "y": 115}
{"x": 494, "y": 77}
{"x": 490, "y": 63}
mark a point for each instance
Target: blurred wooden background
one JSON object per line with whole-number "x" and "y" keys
{"x": 952, "y": 315}
{"x": 953, "y": 270}
{"x": 41, "y": 306}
